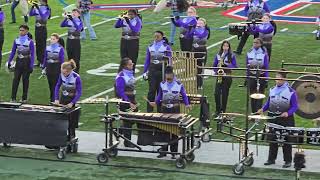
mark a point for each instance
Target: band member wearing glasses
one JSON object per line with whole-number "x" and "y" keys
{"x": 24, "y": 47}
{"x": 2, "y": 17}
{"x": 131, "y": 25}
{"x": 282, "y": 102}
{"x": 75, "y": 26}
{"x": 257, "y": 58}
{"x": 169, "y": 100}
{"x": 53, "y": 58}
{"x": 71, "y": 90}
{"x": 224, "y": 58}
{"x": 42, "y": 13}
{"x": 186, "y": 24}
{"x": 158, "y": 52}
{"x": 125, "y": 90}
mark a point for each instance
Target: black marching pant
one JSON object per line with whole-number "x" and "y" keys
{"x": 154, "y": 79}
{"x": 244, "y": 39}
{"x": 1, "y": 43}
{"x": 256, "y": 104}
{"x": 73, "y": 117}
{"x": 221, "y": 94}
{"x": 286, "y": 148}
{"x": 130, "y": 49}
{"x": 53, "y": 73}
{"x": 201, "y": 61}
{"x": 127, "y": 125}
{"x": 22, "y": 69}
{"x": 174, "y": 146}
{"x": 74, "y": 52}
{"x": 186, "y": 44}
{"x": 268, "y": 46}
{"x": 41, "y": 42}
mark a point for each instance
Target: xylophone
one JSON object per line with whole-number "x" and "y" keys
{"x": 37, "y": 125}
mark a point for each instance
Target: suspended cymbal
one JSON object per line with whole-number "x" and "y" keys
{"x": 308, "y": 97}
{"x": 232, "y": 114}
{"x": 257, "y": 96}
{"x": 262, "y": 117}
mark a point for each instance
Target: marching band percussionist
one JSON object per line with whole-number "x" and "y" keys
{"x": 24, "y": 47}
{"x": 169, "y": 100}
{"x": 42, "y": 13}
{"x": 157, "y": 54}
{"x": 71, "y": 90}
{"x": 254, "y": 9}
{"x": 282, "y": 102}
{"x": 224, "y": 58}
{"x": 2, "y": 17}
{"x": 186, "y": 24}
{"x": 257, "y": 58}
{"x": 53, "y": 58}
{"x": 131, "y": 25}
{"x": 75, "y": 26}
{"x": 200, "y": 34}
{"x": 125, "y": 89}
{"x": 265, "y": 32}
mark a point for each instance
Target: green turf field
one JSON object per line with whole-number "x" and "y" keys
{"x": 312, "y": 10}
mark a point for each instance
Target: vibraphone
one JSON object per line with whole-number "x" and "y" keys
{"x": 181, "y": 125}
{"x": 37, "y": 125}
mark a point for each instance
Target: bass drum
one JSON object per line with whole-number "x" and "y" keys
{"x": 308, "y": 96}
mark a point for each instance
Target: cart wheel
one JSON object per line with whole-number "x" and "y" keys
{"x": 181, "y": 163}
{"x": 190, "y": 157}
{"x": 248, "y": 161}
{"x": 102, "y": 158}
{"x": 74, "y": 148}
{"x": 113, "y": 152}
{"x": 198, "y": 144}
{"x": 206, "y": 138}
{"x": 238, "y": 169}
{"x": 61, "y": 154}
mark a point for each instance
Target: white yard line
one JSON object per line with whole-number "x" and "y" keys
{"x": 315, "y": 31}
{"x": 163, "y": 24}
{"x": 284, "y": 29}
{"x": 298, "y": 9}
{"x": 222, "y": 27}
{"x": 218, "y": 43}
{"x": 54, "y": 17}
{"x": 7, "y": 4}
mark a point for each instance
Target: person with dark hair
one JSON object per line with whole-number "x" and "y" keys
{"x": 186, "y": 24}
{"x": 254, "y": 10}
{"x": 131, "y": 25}
{"x": 157, "y": 56}
{"x": 282, "y": 103}
{"x": 24, "y": 47}
{"x": 53, "y": 58}
{"x": 169, "y": 100}
{"x": 125, "y": 89}
{"x": 2, "y": 17}
{"x": 14, "y": 4}
{"x": 75, "y": 26}
{"x": 257, "y": 58}
{"x": 265, "y": 32}
{"x": 224, "y": 58}
{"x": 42, "y": 13}
{"x": 71, "y": 90}
{"x": 84, "y": 6}
{"x": 200, "y": 35}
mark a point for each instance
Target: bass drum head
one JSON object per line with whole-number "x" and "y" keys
{"x": 308, "y": 97}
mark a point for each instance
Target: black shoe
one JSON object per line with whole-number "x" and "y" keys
{"x": 237, "y": 52}
{"x": 269, "y": 163}
{"x": 173, "y": 156}
{"x": 161, "y": 155}
{"x": 286, "y": 165}
{"x": 12, "y": 22}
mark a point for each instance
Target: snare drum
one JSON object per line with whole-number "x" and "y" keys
{"x": 277, "y": 133}
{"x": 313, "y": 136}
{"x": 237, "y": 29}
{"x": 296, "y": 135}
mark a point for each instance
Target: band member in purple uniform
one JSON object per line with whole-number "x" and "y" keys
{"x": 2, "y": 17}
{"x": 131, "y": 25}
{"x": 265, "y": 32}
{"x": 169, "y": 100}
{"x": 282, "y": 102}
{"x": 75, "y": 26}
{"x": 200, "y": 35}
{"x": 125, "y": 89}
{"x": 24, "y": 47}
{"x": 257, "y": 58}
{"x": 71, "y": 89}
{"x": 42, "y": 13}
{"x": 53, "y": 58}
{"x": 225, "y": 58}
{"x": 186, "y": 24}
{"x": 158, "y": 52}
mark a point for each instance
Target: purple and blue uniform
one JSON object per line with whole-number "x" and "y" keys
{"x": 226, "y": 62}
{"x": 265, "y": 31}
{"x": 258, "y": 58}
{"x": 185, "y": 25}
{"x": 42, "y": 14}
{"x": 2, "y": 17}
{"x": 131, "y": 28}
{"x": 74, "y": 27}
{"x": 255, "y": 9}
{"x": 125, "y": 85}
{"x": 155, "y": 54}
{"x": 200, "y": 36}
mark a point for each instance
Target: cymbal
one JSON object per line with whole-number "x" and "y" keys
{"x": 232, "y": 114}
{"x": 257, "y": 96}
{"x": 117, "y": 100}
{"x": 262, "y": 117}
